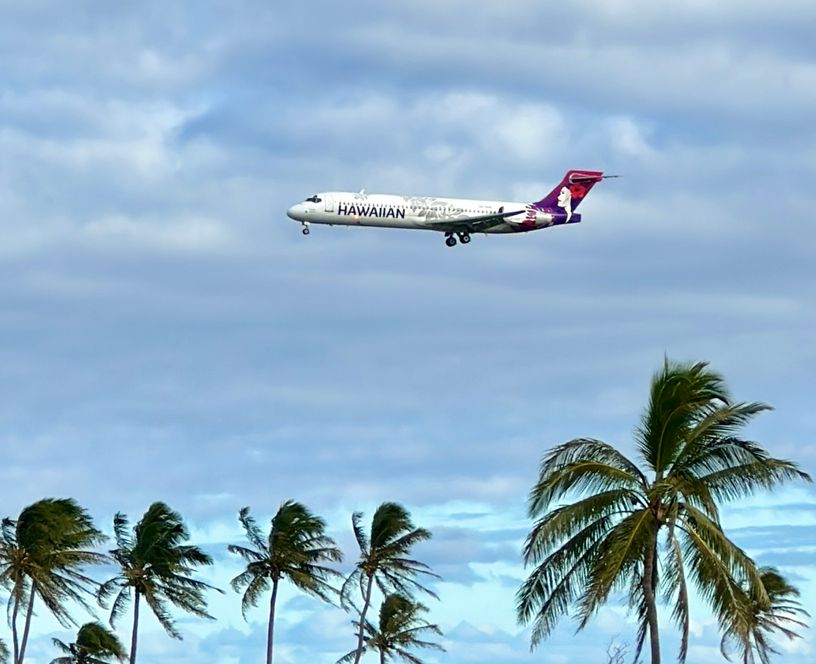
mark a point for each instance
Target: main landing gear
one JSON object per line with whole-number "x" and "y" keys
{"x": 305, "y": 230}
{"x": 450, "y": 240}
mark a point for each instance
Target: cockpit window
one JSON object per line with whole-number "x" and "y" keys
{"x": 314, "y": 199}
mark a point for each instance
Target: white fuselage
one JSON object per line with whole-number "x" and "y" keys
{"x": 417, "y": 212}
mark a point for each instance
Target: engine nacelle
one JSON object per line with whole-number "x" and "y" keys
{"x": 537, "y": 218}
{"x": 557, "y": 218}
{"x": 544, "y": 218}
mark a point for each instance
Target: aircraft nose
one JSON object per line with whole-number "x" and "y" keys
{"x": 295, "y": 212}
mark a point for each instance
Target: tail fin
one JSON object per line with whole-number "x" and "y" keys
{"x": 569, "y": 193}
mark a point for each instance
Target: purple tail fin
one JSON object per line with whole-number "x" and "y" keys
{"x": 569, "y": 193}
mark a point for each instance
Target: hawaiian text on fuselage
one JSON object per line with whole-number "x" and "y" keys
{"x": 382, "y": 211}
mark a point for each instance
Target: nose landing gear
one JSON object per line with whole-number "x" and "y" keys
{"x": 305, "y": 230}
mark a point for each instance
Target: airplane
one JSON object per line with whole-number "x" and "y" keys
{"x": 455, "y": 217}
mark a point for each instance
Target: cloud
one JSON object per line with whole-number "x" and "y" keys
{"x": 455, "y": 553}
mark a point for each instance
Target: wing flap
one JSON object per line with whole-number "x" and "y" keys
{"x": 472, "y": 224}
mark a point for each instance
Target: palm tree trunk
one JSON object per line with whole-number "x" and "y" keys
{"x": 135, "y": 632}
{"x": 366, "y": 602}
{"x": 14, "y": 640}
{"x": 648, "y": 593}
{"x": 27, "y": 622}
{"x": 270, "y": 632}
{"x": 382, "y": 656}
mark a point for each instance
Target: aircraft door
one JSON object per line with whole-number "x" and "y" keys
{"x": 329, "y": 203}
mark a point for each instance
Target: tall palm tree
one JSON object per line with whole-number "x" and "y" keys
{"x": 600, "y": 519}
{"x": 44, "y": 554}
{"x": 401, "y": 629}
{"x": 751, "y": 638}
{"x": 155, "y": 564}
{"x": 94, "y": 644}
{"x": 384, "y": 561}
{"x": 295, "y": 549}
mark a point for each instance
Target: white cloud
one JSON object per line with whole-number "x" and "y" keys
{"x": 173, "y": 235}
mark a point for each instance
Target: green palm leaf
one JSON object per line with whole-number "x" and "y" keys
{"x": 781, "y": 614}
{"x": 401, "y": 630}
{"x": 43, "y": 554}
{"x": 384, "y": 562}
{"x": 155, "y": 564}
{"x": 295, "y": 549}
{"x": 94, "y": 645}
{"x": 598, "y": 514}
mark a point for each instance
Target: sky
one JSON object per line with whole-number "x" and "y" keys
{"x": 166, "y": 333}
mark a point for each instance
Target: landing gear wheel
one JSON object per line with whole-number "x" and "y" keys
{"x": 305, "y": 230}
{"x": 450, "y": 241}
{"x": 464, "y": 238}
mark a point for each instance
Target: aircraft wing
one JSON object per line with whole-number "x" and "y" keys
{"x": 471, "y": 224}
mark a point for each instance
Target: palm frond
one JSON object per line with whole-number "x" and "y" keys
{"x": 156, "y": 562}
{"x": 779, "y": 615}
{"x": 582, "y": 465}
{"x": 563, "y": 522}
{"x": 400, "y": 578}
{"x": 735, "y": 468}
{"x": 639, "y": 607}
{"x": 390, "y": 521}
{"x": 554, "y": 584}
{"x": 120, "y": 604}
{"x": 44, "y": 551}
{"x": 401, "y": 545}
{"x": 716, "y": 564}
{"x": 253, "y": 532}
{"x": 121, "y": 532}
{"x": 618, "y": 555}
{"x": 250, "y": 555}
{"x": 61, "y": 645}
{"x": 359, "y": 533}
{"x": 294, "y": 549}
{"x": 401, "y": 627}
{"x": 352, "y": 583}
{"x": 159, "y": 608}
{"x": 678, "y": 487}
{"x": 720, "y": 422}
{"x": 255, "y": 588}
{"x": 681, "y": 396}
{"x": 383, "y": 553}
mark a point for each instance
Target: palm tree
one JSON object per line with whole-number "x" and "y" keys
{"x": 43, "y": 554}
{"x": 4, "y": 652}
{"x": 401, "y": 630}
{"x": 384, "y": 561}
{"x": 778, "y": 614}
{"x": 94, "y": 645}
{"x": 295, "y": 549}
{"x": 606, "y": 538}
{"x": 155, "y": 564}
